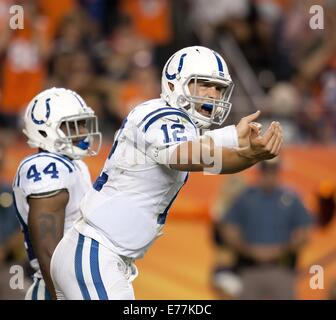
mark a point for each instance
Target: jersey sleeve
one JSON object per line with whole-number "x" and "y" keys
{"x": 42, "y": 175}
{"x": 162, "y": 134}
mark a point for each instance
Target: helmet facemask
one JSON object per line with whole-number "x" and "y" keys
{"x": 78, "y": 136}
{"x": 58, "y": 120}
{"x": 218, "y": 109}
{"x": 193, "y": 65}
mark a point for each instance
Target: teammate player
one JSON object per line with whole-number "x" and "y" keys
{"x": 157, "y": 144}
{"x": 49, "y": 184}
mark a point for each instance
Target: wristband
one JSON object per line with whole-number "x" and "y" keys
{"x": 224, "y": 137}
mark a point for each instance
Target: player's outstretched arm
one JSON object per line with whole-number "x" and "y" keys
{"x": 46, "y": 225}
{"x": 201, "y": 154}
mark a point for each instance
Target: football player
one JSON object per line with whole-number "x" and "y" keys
{"x": 49, "y": 184}
{"x": 157, "y": 145}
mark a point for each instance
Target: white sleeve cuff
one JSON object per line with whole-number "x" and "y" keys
{"x": 164, "y": 155}
{"x": 224, "y": 137}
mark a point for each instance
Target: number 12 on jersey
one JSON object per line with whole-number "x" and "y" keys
{"x": 174, "y": 133}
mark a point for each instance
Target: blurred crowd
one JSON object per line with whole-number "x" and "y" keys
{"x": 266, "y": 240}
{"x": 259, "y": 232}
{"x": 112, "y": 53}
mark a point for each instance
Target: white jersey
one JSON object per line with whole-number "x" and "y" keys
{"x": 45, "y": 172}
{"x": 129, "y": 203}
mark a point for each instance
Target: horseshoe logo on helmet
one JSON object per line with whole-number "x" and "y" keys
{"x": 47, "y": 112}
{"x": 173, "y": 76}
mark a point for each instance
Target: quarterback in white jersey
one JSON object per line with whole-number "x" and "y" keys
{"x": 157, "y": 145}
{"x": 50, "y": 184}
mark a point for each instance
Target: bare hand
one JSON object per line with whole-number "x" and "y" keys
{"x": 267, "y": 146}
{"x": 246, "y": 127}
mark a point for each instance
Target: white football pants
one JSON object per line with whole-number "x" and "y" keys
{"x": 38, "y": 291}
{"x": 82, "y": 268}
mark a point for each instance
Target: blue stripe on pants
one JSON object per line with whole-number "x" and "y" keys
{"x": 79, "y": 268}
{"x": 47, "y": 295}
{"x": 35, "y": 290}
{"x": 94, "y": 266}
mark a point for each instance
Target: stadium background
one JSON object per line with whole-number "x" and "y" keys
{"x": 112, "y": 53}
